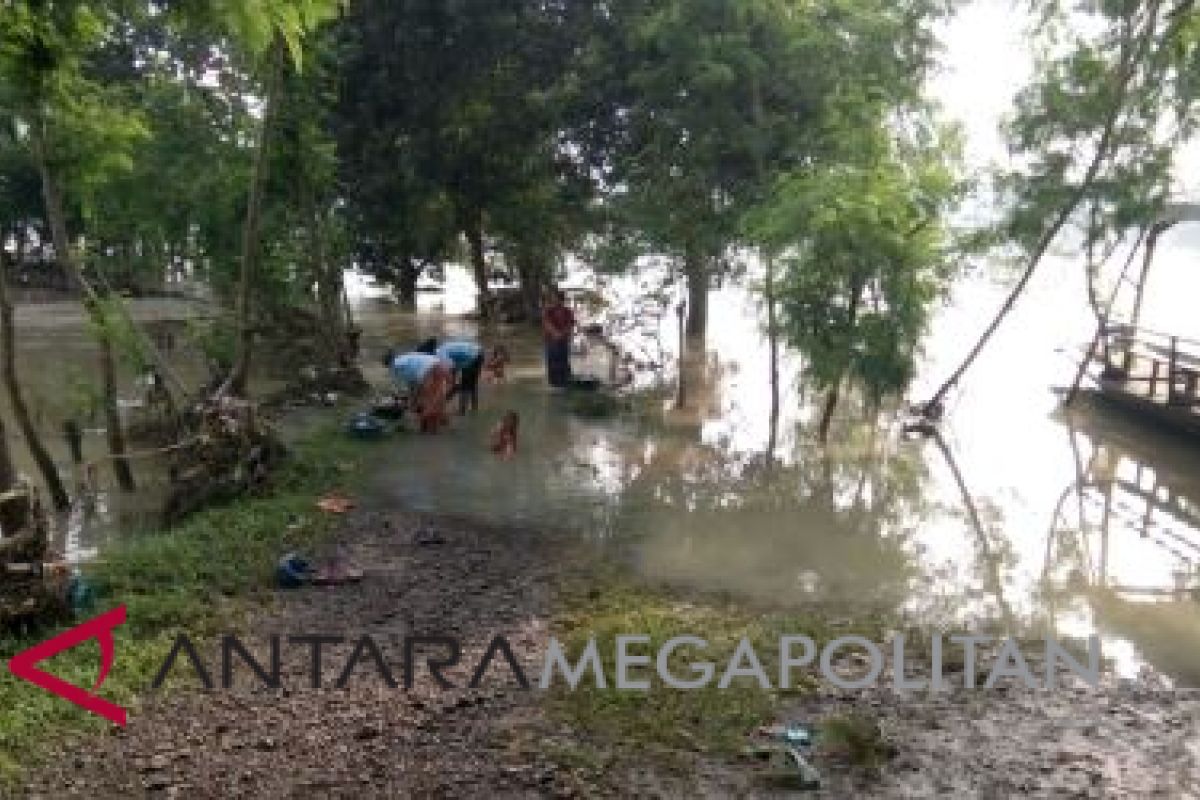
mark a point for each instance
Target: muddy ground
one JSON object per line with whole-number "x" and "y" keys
{"x": 439, "y": 576}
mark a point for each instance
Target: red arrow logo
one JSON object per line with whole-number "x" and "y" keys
{"x": 99, "y": 628}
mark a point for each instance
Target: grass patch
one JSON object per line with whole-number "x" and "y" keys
{"x": 707, "y": 719}
{"x": 857, "y": 737}
{"x": 202, "y": 577}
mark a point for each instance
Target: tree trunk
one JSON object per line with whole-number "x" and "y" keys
{"x": 773, "y": 355}
{"x": 835, "y": 391}
{"x": 236, "y": 383}
{"x": 532, "y": 275}
{"x": 831, "y": 403}
{"x": 8, "y": 472}
{"x": 406, "y": 283}
{"x": 697, "y": 285}
{"x": 473, "y": 230}
{"x": 112, "y": 414}
{"x": 681, "y": 383}
{"x": 52, "y": 197}
{"x": 329, "y": 290}
{"x": 8, "y": 370}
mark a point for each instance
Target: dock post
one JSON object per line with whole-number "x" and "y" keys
{"x": 1171, "y": 394}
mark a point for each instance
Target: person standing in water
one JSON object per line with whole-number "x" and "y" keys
{"x": 467, "y": 357}
{"x": 558, "y": 325}
{"x": 428, "y": 380}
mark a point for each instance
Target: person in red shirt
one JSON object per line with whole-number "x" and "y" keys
{"x": 558, "y": 325}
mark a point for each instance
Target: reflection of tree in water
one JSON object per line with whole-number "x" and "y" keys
{"x": 994, "y": 551}
{"x": 835, "y": 523}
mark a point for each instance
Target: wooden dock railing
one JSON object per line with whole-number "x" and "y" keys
{"x": 1172, "y": 362}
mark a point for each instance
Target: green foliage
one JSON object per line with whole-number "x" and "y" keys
{"x": 1124, "y": 81}
{"x": 255, "y": 25}
{"x": 722, "y": 97}
{"x": 214, "y": 338}
{"x": 864, "y": 254}
{"x": 85, "y": 128}
{"x": 111, "y": 321}
{"x": 453, "y": 119}
{"x": 83, "y": 397}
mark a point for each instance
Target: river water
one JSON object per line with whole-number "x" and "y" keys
{"x": 873, "y": 519}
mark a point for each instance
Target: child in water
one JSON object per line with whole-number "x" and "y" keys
{"x": 497, "y": 360}
{"x": 504, "y": 435}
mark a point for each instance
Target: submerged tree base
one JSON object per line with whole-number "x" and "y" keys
{"x": 228, "y": 452}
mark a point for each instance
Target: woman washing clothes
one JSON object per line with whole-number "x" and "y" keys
{"x": 467, "y": 359}
{"x": 428, "y": 381}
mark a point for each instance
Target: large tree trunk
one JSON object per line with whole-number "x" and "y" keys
{"x": 532, "y": 275}
{"x": 406, "y": 283}
{"x": 831, "y": 404}
{"x": 697, "y": 285}
{"x": 473, "y": 230}
{"x": 681, "y": 381}
{"x": 236, "y": 383}
{"x": 8, "y": 371}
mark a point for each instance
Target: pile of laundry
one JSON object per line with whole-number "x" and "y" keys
{"x": 295, "y": 570}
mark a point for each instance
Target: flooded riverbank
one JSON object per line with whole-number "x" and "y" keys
{"x": 873, "y": 519}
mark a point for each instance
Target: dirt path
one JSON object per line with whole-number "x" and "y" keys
{"x": 471, "y": 582}
{"x": 366, "y": 740}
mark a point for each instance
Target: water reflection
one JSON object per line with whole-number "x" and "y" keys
{"x": 1124, "y": 543}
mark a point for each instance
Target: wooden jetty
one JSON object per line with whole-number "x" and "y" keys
{"x": 1152, "y": 375}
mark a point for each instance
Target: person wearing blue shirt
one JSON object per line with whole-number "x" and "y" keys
{"x": 428, "y": 380}
{"x": 468, "y": 358}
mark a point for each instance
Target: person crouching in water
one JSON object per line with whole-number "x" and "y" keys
{"x": 467, "y": 360}
{"x": 428, "y": 380}
{"x": 504, "y": 435}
